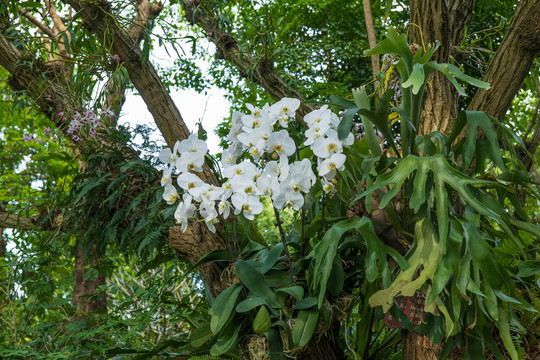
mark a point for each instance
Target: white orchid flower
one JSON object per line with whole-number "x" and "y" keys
{"x": 193, "y": 144}
{"x": 267, "y": 184}
{"x": 257, "y": 117}
{"x": 327, "y": 186}
{"x": 227, "y": 158}
{"x": 281, "y": 143}
{"x": 248, "y": 205}
{"x": 188, "y": 181}
{"x": 329, "y": 167}
{"x": 245, "y": 184}
{"x": 279, "y": 170}
{"x": 224, "y": 208}
{"x": 316, "y": 131}
{"x": 184, "y": 211}
{"x": 283, "y": 110}
{"x": 288, "y": 198}
{"x": 318, "y": 117}
{"x": 166, "y": 179}
{"x": 210, "y": 216}
{"x": 169, "y": 157}
{"x": 170, "y": 195}
{"x": 297, "y": 182}
{"x": 304, "y": 167}
{"x": 325, "y": 146}
{"x": 190, "y": 161}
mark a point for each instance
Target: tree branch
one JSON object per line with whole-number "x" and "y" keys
{"x": 371, "y": 35}
{"x": 512, "y": 61}
{"x": 261, "y": 71}
{"x": 38, "y": 23}
{"x": 28, "y": 223}
{"x": 142, "y": 73}
{"x": 52, "y": 95}
{"x": 145, "y": 12}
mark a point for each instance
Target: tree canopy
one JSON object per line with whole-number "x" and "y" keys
{"x": 376, "y": 195}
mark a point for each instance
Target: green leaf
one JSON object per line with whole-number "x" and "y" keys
{"x": 380, "y": 117}
{"x": 295, "y": 291}
{"x": 345, "y": 125}
{"x": 201, "y": 335}
{"x": 262, "y": 322}
{"x": 393, "y": 44}
{"x": 212, "y": 256}
{"x": 528, "y": 268}
{"x": 275, "y": 344}
{"x": 362, "y": 101}
{"x": 272, "y": 257}
{"x": 228, "y": 338}
{"x": 416, "y": 79}
{"x": 342, "y": 102}
{"x": 304, "y": 327}
{"x": 305, "y": 303}
{"x": 426, "y": 255}
{"x": 337, "y": 277}
{"x": 223, "y": 307}
{"x": 250, "y": 303}
{"x": 256, "y": 283}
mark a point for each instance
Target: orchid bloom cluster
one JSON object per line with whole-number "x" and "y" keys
{"x": 263, "y": 135}
{"x": 47, "y": 136}
{"x": 88, "y": 117}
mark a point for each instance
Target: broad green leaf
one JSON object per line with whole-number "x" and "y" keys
{"x": 255, "y": 283}
{"x": 473, "y": 120}
{"x": 212, "y": 256}
{"x": 426, "y": 255}
{"x": 416, "y": 79}
{"x": 305, "y": 303}
{"x": 380, "y": 117}
{"x": 272, "y": 257}
{"x": 295, "y": 291}
{"x": 304, "y": 326}
{"x": 325, "y": 251}
{"x": 362, "y": 101}
{"x": 528, "y": 268}
{"x": 444, "y": 174}
{"x": 223, "y": 307}
{"x": 228, "y": 337}
{"x": 393, "y": 44}
{"x": 275, "y": 344}
{"x": 250, "y": 303}
{"x": 262, "y": 322}
{"x": 337, "y": 277}
{"x": 504, "y": 331}
{"x": 200, "y": 335}
{"x": 342, "y": 102}
{"x": 452, "y": 73}
{"x": 345, "y": 125}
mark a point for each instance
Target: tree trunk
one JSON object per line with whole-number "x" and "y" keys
{"x": 85, "y": 296}
{"x": 418, "y": 347}
{"x": 512, "y": 61}
{"x": 442, "y": 21}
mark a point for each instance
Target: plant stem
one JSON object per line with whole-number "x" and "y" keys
{"x": 286, "y": 248}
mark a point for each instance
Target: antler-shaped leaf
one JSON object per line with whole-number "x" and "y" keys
{"x": 418, "y": 168}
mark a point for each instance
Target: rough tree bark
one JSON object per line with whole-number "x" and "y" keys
{"x": 441, "y": 21}
{"x": 512, "y": 61}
